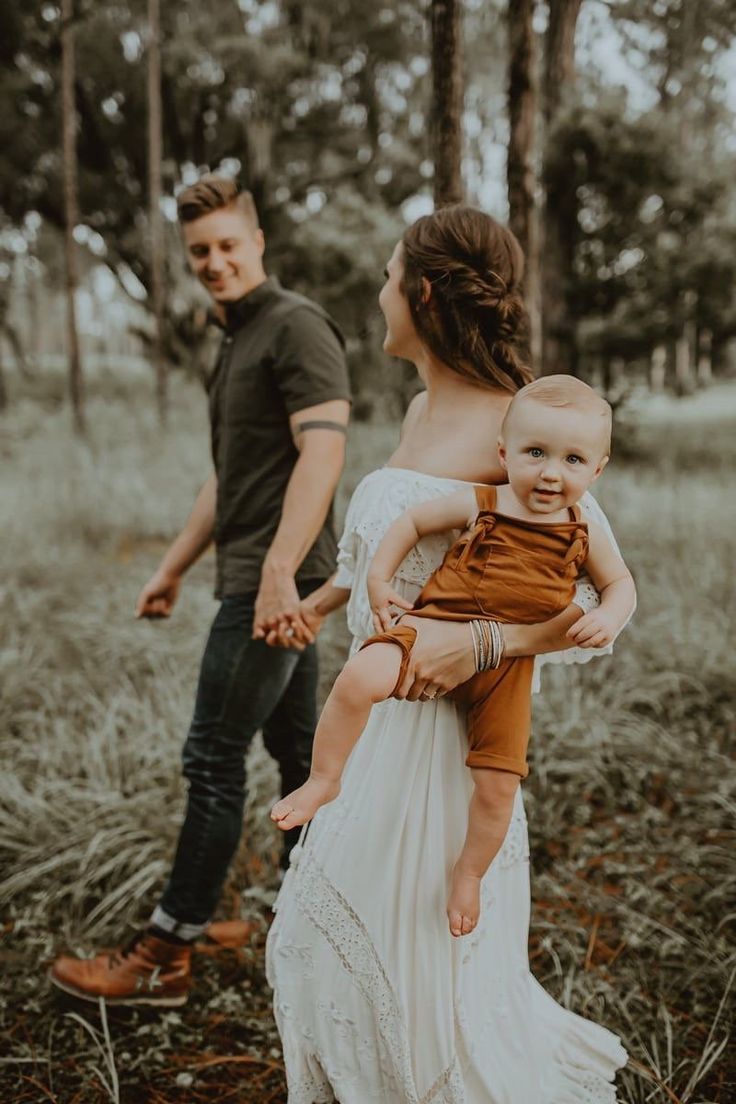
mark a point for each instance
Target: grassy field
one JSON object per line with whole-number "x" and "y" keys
{"x": 631, "y": 798}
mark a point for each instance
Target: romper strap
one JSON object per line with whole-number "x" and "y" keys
{"x": 485, "y": 497}
{"x": 576, "y": 514}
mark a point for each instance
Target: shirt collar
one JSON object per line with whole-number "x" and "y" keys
{"x": 239, "y": 313}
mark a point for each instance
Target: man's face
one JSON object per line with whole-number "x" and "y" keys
{"x": 225, "y": 253}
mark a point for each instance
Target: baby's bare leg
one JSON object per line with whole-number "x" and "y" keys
{"x": 489, "y": 816}
{"x": 367, "y": 678}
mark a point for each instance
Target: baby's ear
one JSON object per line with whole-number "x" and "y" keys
{"x": 502, "y": 452}
{"x": 604, "y": 460}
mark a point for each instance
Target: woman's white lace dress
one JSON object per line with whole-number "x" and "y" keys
{"x": 375, "y": 1001}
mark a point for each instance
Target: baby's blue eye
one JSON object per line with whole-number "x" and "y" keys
{"x": 573, "y": 459}
{"x": 536, "y": 453}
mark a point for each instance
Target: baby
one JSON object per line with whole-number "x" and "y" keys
{"x": 522, "y": 547}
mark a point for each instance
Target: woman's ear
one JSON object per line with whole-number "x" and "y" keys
{"x": 426, "y": 291}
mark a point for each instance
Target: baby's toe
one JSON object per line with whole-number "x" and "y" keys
{"x": 456, "y": 923}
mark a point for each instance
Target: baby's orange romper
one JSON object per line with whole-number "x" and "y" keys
{"x": 508, "y": 570}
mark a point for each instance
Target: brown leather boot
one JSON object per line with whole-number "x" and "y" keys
{"x": 146, "y": 971}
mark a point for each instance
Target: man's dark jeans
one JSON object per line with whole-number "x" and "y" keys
{"x": 244, "y": 685}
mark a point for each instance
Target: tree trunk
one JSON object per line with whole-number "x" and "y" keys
{"x": 259, "y": 136}
{"x": 71, "y": 210}
{"x": 658, "y": 369}
{"x": 447, "y": 101}
{"x": 559, "y": 69}
{"x": 559, "y": 350}
{"x": 520, "y": 171}
{"x": 705, "y": 357}
{"x": 156, "y": 243}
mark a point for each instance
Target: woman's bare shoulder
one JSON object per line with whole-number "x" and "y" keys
{"x": 414, "y": 411}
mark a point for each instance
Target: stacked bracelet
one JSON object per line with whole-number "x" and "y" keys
{"x": 488, "y": 644}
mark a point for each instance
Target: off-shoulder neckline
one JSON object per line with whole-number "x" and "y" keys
{"x": 440, "y": 478}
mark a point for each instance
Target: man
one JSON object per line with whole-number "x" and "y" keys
{"x": 279, "y": 404}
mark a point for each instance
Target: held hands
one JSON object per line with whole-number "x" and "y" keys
{"x": 277, "y": 602}
{"x": 295, "y": 631}
{"x": 158, "y": 595}
{"x": 382, "y": 596}
{"x": 594, "y": 630}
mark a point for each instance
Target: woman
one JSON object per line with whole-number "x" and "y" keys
{"x": 373, "y": 998}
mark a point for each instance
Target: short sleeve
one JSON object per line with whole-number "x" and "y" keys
{"x": 309, "y": 363}
{"x": 347, "y": 546}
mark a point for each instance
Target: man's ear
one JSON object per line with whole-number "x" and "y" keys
{"x": 426, "y": 291}
{"x": 600, "y": 467}
{"x": 502, "y": 453}
{"x": 260, "y": 241}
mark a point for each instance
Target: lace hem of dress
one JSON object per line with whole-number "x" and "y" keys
{"x": 327, "y": 909}
{"x": 583, "y": 1073}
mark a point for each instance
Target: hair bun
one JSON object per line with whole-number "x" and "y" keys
{"x": 475, "y": 267}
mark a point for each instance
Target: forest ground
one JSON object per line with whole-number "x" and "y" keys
{"x": 630, "y": 800}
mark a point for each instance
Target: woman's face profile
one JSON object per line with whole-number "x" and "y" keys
{"x": 401, "y": 337}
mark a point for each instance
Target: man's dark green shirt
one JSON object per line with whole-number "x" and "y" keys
{"x": 280, "y": 354}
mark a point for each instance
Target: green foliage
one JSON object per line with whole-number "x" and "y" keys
{"x": 653, "y": 226}
{"x": 303, "y": 103}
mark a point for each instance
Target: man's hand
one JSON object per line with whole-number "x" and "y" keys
{"x": 158, "y": 595}
{"x": 277, "y": 600}
{"x": 594, "y": 630}
{"x": 382, "y": 596}
{"x": 441, "y": 659}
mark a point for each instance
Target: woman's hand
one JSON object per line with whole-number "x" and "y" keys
{"x": 441, "y": 659}
{"x": 382, "y": 596}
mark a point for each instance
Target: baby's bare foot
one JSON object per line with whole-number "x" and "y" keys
{"x": 463, "y": 906}
{"x": 301, "y": 805}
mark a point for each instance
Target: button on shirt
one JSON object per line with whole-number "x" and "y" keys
{"x": 280, "y": 353}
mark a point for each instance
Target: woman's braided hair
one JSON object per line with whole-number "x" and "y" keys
{"x": 475, "y": 311}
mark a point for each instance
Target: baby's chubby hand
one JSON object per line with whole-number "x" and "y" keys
{"x": 382, "y": 596}
{"x": 594, "y": 630}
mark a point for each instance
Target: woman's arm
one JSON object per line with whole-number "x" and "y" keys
{"x": 443, "y": 655}
{"x": 547, "y": 636}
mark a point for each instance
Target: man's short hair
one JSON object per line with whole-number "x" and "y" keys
{"x": 214, "y": 193}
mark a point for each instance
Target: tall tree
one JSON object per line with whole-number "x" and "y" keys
{"x": 559, "y": 352}
{"x": 447, "y": 100}
{"x": 71, "y": 209}
{"x": 520, "y": 168}
{"x": 156, "y": 243}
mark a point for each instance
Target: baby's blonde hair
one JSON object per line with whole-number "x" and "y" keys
{"x": 564, "y": 390}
